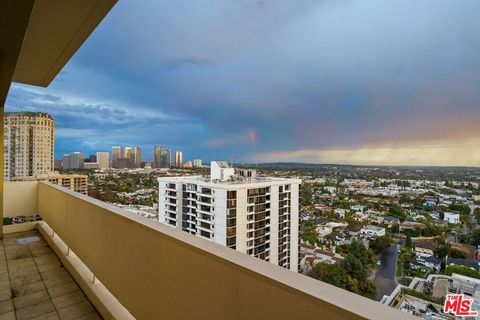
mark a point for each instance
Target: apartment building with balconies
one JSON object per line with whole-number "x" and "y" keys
{"x": 28, "y": 144}
{"x": 74, "y": 182}
{"x": 254, "y": 215}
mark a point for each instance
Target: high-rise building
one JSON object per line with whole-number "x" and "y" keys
{"x": 178, "y": 159}
{"x": 165, "y": 157}
{"x": 256, "y": 215}
{"x": 66, "y": 161}
{"x": 91, "y": 158}
{"x": 156, "y": 157}
{"x": 162, "y": 157}
{"x": 197, "y": 162}
{"x": 76, "y": 160}
{"x": 57, "y": 165}
{"x": 136, "y": 157}
{"x": 28, "y": 144}
{"x": 117, "y": 153}
{"x": 128, "y": 156}
{"x": 103, "y": 160}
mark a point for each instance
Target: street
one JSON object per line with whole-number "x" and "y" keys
{"x": 385, "y": 275}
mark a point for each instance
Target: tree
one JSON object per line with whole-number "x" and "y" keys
{"x": 330, "y": 274}
{"x": 380, "y": 245}
{"x": 408, "y": 241}
{"x": 463, "y": 238}
{"x": 394, "y": 229}
{"x": 396, "y": 211}
{"x": 457, "y": 254}
{"x": 476, "y": 212}
{"x": 431, "y": 231}
{"x": 442, "y": 251}
{"x": 475, "y": 237}
{"x": 354, "y": 267}
{"x": 466, "y": 271}
{"x": 368, "y": 289}
{"x": 462, "y": 208}
{"x": 352, "y": 284}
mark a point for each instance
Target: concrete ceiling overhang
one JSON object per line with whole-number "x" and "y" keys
{"x": 38, "y": 37}
{"x": 14, "y": 18}
{"x": 56, "y": 30}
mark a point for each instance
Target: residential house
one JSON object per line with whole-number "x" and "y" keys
{"x": 425, "y": 247}
{"x": 359, "y": 216}
{"x": 430, "y": 203}
{"x": 450, "y": 217}
{"x": 323, "y": 231}
{"x": 326, "y": 256}
{"x": 357, "y": 208}
{"x": 439, "y": 223}
{"x": 431, "y": 262}
{"x": 353, "y": 230}
{"x": 338, "y": 238}
{"x": 391, "y": 221}
{"x": 434, "y": 215}
{"x": 406, "y": 225}
{"x": 370, "y": 231}
{"x": 340, "y": 212}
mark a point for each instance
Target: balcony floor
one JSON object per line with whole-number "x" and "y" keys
{"x": 34, "y": 284}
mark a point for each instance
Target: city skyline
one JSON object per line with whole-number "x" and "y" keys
{"x": 122, "y": 153}
{"x": 346, "y": 91}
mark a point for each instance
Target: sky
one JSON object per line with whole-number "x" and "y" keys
{"x": 322, "y": 81}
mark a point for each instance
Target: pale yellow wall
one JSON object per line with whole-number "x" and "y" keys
{"x": 158, "y": 272}
{"x": 20, "y": 198}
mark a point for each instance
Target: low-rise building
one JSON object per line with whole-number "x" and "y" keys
{"x": 359, "y": 216}
{"x": 357, "y": 208}
{"x": 391, "y": 221}
{"x": 340, "y": 212}
{"x": 323, "y": 231}
{"x": 450, "y": 217}
{"x": 370, "y": 231}
{"x": 430, "y": 263}
{"x": 353, "y": 230}
{"x": 90, "y": 165}
{"x": 425, "y": 247}
{"x": 409, "y": 225}
{"x": 434, "y": 215}
{"x": 75, "y": 182}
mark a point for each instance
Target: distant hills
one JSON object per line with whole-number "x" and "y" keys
{"x": 300, "y": 165}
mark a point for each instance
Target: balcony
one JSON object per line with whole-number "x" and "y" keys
{"x": 130, "y": 267}
{"x": 36, "y": 284}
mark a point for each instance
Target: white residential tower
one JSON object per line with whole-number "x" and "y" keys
{"x": 254, "y": 215}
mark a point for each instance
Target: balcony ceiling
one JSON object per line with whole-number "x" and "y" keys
{"x": 14, "y": 17}
{"x": 57, "y": 28}
{"x": 38, "y": 37}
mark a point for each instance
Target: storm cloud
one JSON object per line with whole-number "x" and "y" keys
{"x": 264, "y": 78}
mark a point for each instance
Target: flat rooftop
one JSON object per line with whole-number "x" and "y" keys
{"x": 34, "y": 284}
{"x": 235, "y": 180}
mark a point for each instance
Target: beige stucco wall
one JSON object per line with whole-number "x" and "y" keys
{"x": 20, "y": 198}
{"x": 158, "y": 272}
